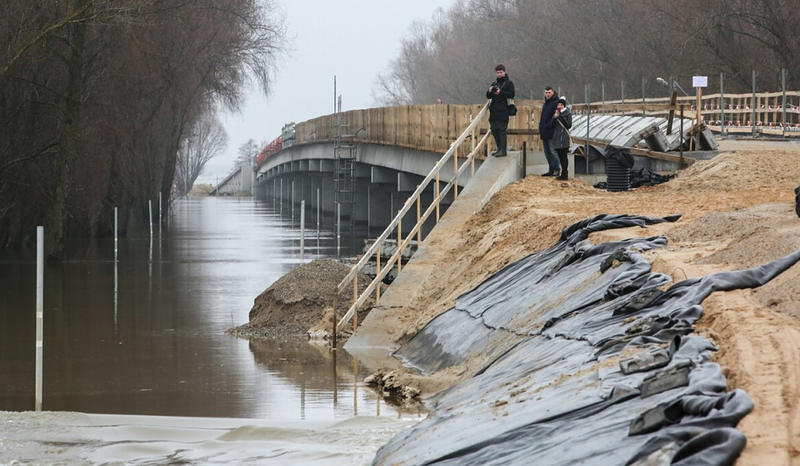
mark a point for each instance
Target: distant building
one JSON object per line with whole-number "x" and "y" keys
{"x": 288, "y": 135}
{"x": 238, "y": 183}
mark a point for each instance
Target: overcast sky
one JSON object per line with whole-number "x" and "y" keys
{"x": 352, "y": 39}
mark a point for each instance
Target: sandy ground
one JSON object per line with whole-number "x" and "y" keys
{"x": 738, "y": 211}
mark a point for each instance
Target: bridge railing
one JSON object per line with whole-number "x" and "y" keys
{"x": 396, "y": 225}
{"x": 772, "y": 112}
{"x": 431, "y": 128}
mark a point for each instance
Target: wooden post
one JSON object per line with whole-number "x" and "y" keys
{"x": 377, "y": 271}
{"x": 783, "y": 101}
{"x": 399, "y": 242}
{"x": 722, "y": 103}
{"x": 681, "y": 131}
{"x": 672, "y": 101}
{"x": 753, "y": 103}
{"x": 333, "y": 318}
{"x": 699, "y": 106}
{"x": 455, "y": 176}
{"x": 419, "y": 230}
{"x": 355, "y": 299}
{"x": 437, "y": 197}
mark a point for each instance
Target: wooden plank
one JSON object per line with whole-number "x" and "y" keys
{"x": 516, "y": 131}
{"x": 642, "y": 152}
{"x": 671, "y": 112}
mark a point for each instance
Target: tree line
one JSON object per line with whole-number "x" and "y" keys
{"x": 570, "y": 43}
{"x": 104, "y": 103}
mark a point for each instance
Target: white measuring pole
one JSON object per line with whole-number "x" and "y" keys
{"x": 302, "y": 229}
{"x": 116, "y": 233}
{"x": 318, "y": 210}
{"x": 338, "y": 229}
{"x": 39, "y": 313}
{"x": 159, "y": 211}
{"x": 150, "y": 204}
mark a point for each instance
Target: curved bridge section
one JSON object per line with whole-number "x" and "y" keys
{"x": 396, "y": 147}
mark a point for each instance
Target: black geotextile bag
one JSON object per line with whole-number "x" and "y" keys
{"x": 797, "y": 200}
{"x": 620, "y": 155}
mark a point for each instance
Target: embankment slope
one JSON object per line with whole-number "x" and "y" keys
{"x": 738, "y": 211}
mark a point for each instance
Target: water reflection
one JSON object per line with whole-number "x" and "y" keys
{"x": 139, "y": 328}
{"x": 321, "y": 380}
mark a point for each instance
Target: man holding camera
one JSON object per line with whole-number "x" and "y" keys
{"x": 500, "y": 91}
{"x": 546, "y": 131}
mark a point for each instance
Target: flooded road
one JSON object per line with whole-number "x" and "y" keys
{"x": 157, "y": 346}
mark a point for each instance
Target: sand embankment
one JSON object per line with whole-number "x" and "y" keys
{"x": 738, "y": 211}
{"x": 301, "y": 302}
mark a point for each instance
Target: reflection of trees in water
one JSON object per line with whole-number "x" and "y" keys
{"x": 303, "y": 363}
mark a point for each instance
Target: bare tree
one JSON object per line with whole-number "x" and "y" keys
{"x": 570, "y": 43}
{"x": 98, "y": 96}
{"x": 247, "y": 154}
{"x": 206, "y": 140}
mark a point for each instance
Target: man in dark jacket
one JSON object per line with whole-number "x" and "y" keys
{"x": 561, "y": 124}
{"x": 500, "y": 91}
{"x": 546, "y": 129}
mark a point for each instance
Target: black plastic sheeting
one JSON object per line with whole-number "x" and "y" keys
{"x": 553, "y": 328}
{"x": 639, "y": 178}
{"x": 620, "y": 155}
{"x": 797, "y": 200}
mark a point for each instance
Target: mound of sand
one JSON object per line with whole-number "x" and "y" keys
{"x": 299, "y": 300}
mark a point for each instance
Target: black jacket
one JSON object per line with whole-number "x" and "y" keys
{"x": 560, "y": 127}
{"x": 498, "y": 109}
{"x": 545, "y": 122}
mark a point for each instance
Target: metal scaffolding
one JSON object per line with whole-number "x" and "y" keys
{"x": 344, "y": 153}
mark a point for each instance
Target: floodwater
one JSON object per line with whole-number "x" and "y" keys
{"x": 146, "y": 337}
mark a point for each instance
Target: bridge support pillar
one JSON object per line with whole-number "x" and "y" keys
{"x": 362, "y": 200}
{"x": 379, "y": 213}
{"x": 328, "y": 195}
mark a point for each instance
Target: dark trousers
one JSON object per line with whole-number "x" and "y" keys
{"x": 562, "y": 157}
{"x": 499, "y": 131}
{"x": 550, "y": 154}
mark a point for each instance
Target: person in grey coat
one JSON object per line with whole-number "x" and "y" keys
{"x": 560, "y": 124}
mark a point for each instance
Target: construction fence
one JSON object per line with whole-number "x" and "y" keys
{"x": 772, "y": 113}
{"x": 429, "y": 128}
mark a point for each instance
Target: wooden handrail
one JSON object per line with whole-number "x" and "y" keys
{"x": 416, "y": 230}
{"x": 407, "y": 204}
{"x": 381, "y": 274}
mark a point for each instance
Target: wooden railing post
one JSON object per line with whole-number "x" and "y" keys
{"x": 437, "y": 196}
{"x": 455, "y": 174}
{"x": 419, "y": 231}
{"x": 333, "y": 318}
{"x": 377, "y": 271}
{"x": 397, "y": 222}
{"x": 355, "y": 298}
{"x": 399, "y": 243}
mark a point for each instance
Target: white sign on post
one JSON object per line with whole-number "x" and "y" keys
{"x": 699, "y": 81}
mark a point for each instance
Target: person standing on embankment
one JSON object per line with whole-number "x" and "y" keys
{"x": 500, "y": 91}
{"x": 561, "y": 123}
{"x": 546, "y": 130}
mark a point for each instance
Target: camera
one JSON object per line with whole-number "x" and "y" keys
{"x": 493, "y": 87}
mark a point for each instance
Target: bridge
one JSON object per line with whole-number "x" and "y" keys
{"x": 368, "y": 161}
